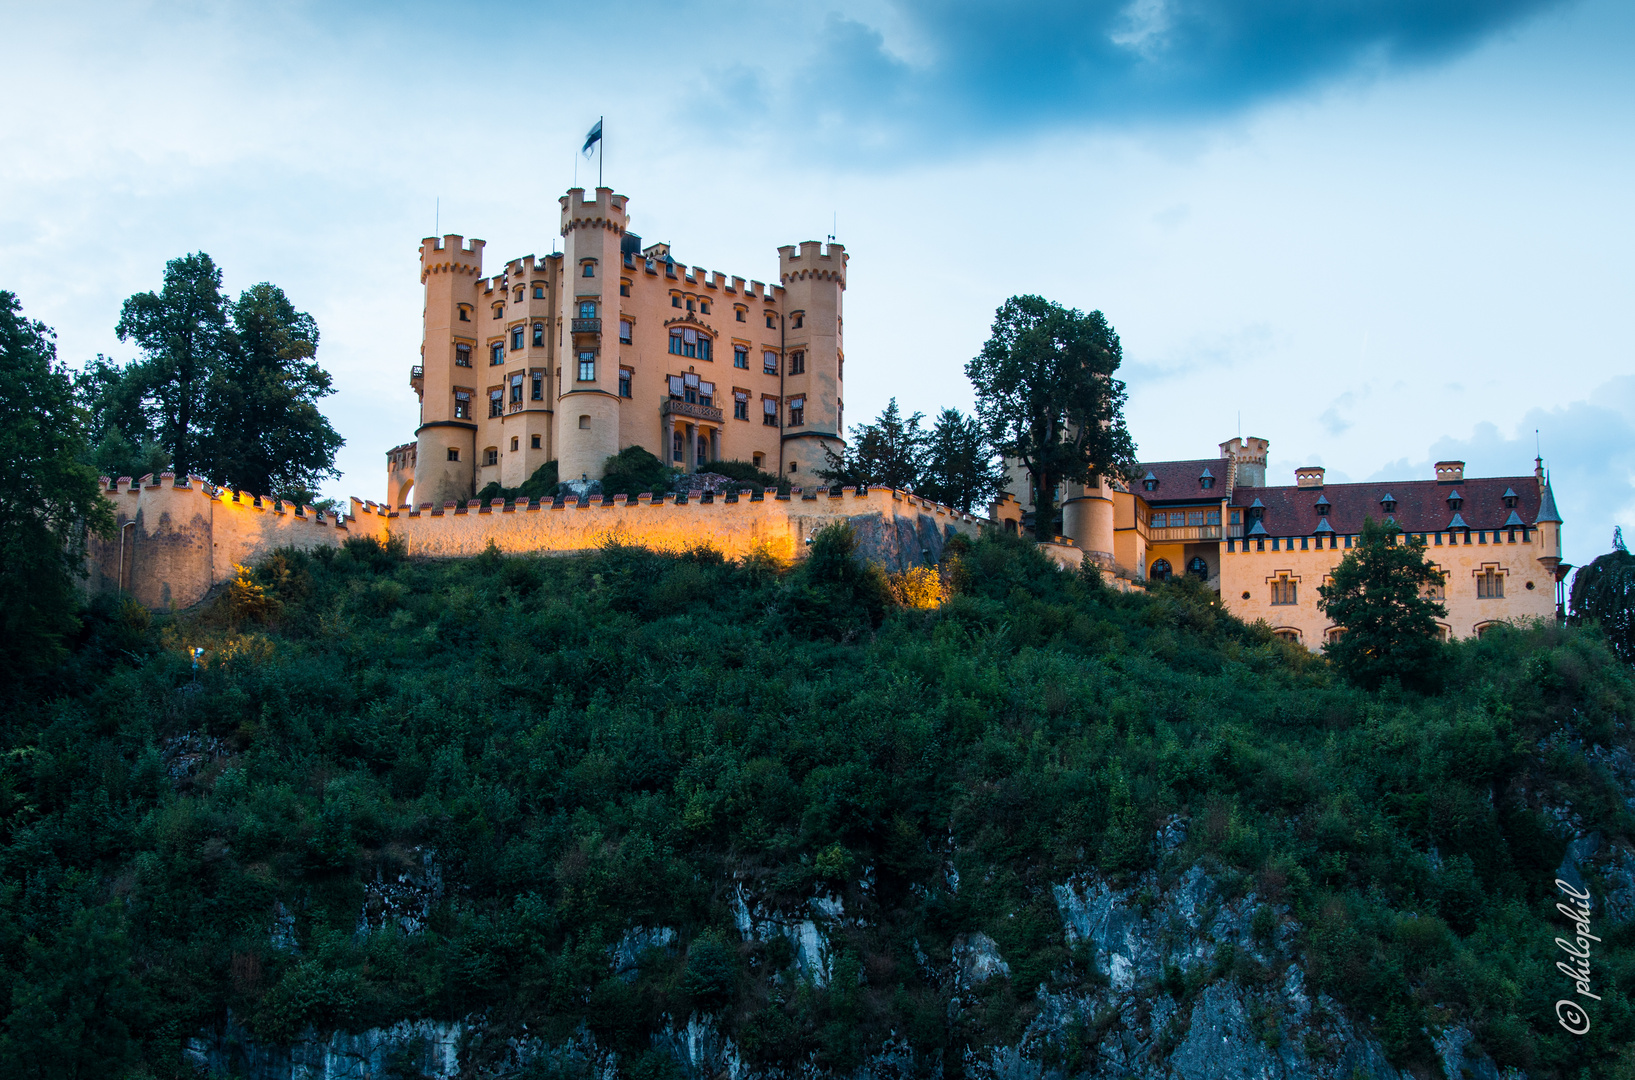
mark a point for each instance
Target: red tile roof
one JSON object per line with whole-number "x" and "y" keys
{"x": 1178, "y": 480}
{"x": 1421, "y": 504}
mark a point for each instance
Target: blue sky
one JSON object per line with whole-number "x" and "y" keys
{"x": 1384, "y": 233}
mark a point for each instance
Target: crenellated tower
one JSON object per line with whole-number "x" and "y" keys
{"x": 445, "y": 458}
{"x": 588, "y": 409}
{"x": 813, "y": 277}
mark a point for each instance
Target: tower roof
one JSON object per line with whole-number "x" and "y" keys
{"x": 1547, "y": 505}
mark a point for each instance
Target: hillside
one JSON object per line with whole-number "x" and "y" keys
{"x": 675, "y": 816}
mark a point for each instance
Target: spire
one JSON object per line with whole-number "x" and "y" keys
{"x": 1547, "y": 505}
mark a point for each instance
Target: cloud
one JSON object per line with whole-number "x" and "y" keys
{"x": 936, "y": 74}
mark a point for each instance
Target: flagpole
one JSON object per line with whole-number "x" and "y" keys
{"x": 601, "y": 149}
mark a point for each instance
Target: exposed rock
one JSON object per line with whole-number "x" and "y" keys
{"x": 406, "y": 899}
{"x": 977, "y": 959}
{"x": 626, "y": 954}
{"x": 416, "y": 1048}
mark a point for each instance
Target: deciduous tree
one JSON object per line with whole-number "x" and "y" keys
{"x": 1046, "y": 396}
{"x": 1379, "y": 596}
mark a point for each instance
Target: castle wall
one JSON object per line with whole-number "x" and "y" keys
{"x": 185, "y": 537}
{"x": 1246, "y": 574}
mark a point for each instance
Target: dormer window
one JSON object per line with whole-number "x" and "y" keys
{"x": 1206, "y": 480}
{"x": 1510, "y": 498}
{"x": 1323, "y": 506}
{"x": 1257, "y": 510}
{"x": 1149, "y": 482}
{"x": 1455, "y": 500}
{"x": 1388, "y": 504}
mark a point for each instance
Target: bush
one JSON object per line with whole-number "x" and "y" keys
{"x": 633, "y": 471}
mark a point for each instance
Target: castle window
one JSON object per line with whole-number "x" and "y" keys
{"x": 624, "y": 381}
{"x": 584, "y": 423}
{"x": 465, "y": 313}
{"x": 516, "y": 389}
{"x": 539, "y": 291}
{"x": 496, "y": 353}
{"x": 1198, "y": 568}
{"x": 519, "y": 294}
{"x": 513, "y": 444}
{"x": 1437, "y": 590}
{"x": 690, "y": 305}
{"x": 1160, "y": 570}
{"x": 533, "y": 442}
{"x": 677, "y": 441}
{"x": 769, "y": 362}
{"x": 624, "y": 288}
{"x": 589, "y": 268}
{"x": 685, "y": 341}
{"x": 454, "y": 453}
{"x": 757, "y": 460}
{"x": 496, "y": 402}
{"x": 539, "y": 335}
{"x": 499, "y": 311}
{"x": 769, "y": 412}
{"x": 462, "y": 356}
{"x": 538, "y": 391}
{"x": 462, "y": 407}
{"x": 797, "y": 363}
{"x": 587, "y": 309}
{"x": 587, "y": 367}
{"x": 516, "y": 338}
{"x": 740, "y": 313}
{"x": 797, "y": 411}
{"x": 624, "y": 331}
{"x": 1388, "y": 504}
{"x": 771, "y": 321}
{"x": 1284, "y": 590}
{"x": 704, "y": 307}
{"x": 800, "y": 320}
{"x": 675, "y": 299}
{"x": 740, "y": 405}
{"x": 740, "y": 357}
{"x": 1490, "y": 584}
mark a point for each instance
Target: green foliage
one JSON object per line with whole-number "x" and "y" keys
{"x": 1046, "y": 396}
{"x": 48, "y": 498}
{"x": 960, "y": 467}
{"x": 633, "y": 471}
{"x": 585, "y": 745}
{"x": 1604, "y": 593}
{"x": 887, "y": 453}
{"x": 541, "y": 485}
{"x": 749, "y": 476}
{"x": 1378, "y": 596}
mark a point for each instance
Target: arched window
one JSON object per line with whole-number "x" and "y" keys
{"x": 1160, "y": 570}
{"x": 1198, "y": 568}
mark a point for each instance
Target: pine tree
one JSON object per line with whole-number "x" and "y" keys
{"x": 887, "y": 453}
{"x": 960, "y": 468}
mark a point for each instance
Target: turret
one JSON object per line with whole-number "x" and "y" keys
{"x": 813, "y": 277}
{"x": 445, "y": 458}
{"x": 587, "y": 412}
{"x": 1248, "y": 457}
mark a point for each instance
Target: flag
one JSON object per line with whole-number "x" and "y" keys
{"x": 592, "y": 138}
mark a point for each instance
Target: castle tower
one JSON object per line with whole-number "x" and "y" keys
{"x": 813, "y": 277}
{"x": 1249, "y": 458}
{"x": 587, "y": 411}
{"x": 1087, "y": 518}
{"x": 445, "y": 457}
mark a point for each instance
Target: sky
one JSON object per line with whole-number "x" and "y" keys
{"x": 1377, "y": 234}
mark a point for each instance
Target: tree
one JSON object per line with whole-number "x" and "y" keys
{"x": 264, "y": 433}
{"x": 184, "y": 331}
{"x": 887, "y": 453}
{"x": 959, "y": 466}
{"x": 1046, "y": 396}
{"x": 1380, "y": 598}
{"x": 48, "y": 496}
{"x": 123, "y": 441}
{"x": 633, "y": 471}
{"x": 1604, "y": 591}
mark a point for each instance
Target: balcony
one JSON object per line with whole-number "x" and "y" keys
{"x": 587, "y": 326}
{"x": 673, "y": 407}
{"x": 1184, "y": 532}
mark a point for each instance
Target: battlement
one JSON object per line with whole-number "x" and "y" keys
{"x": 604, "y": 211}
{"x": 450, "y": 255}
{"x": 528, "y": 265}
{"x": 812, "y": 261}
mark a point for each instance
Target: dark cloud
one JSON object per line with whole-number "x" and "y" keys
{"x": 976, "y": 71}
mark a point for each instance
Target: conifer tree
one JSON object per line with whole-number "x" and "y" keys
{"x": 887, "y": 453}
{"x": 960, "y": 469}
{"x": 1379, "y": 596}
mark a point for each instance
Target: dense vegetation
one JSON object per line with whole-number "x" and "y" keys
{"x": 589, "y": 744}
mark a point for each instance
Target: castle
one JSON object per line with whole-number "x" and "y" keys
{"x": 578, "y": 355}
{"x": 1266, "y": 549}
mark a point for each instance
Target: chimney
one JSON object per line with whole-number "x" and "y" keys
{"x": 1450, "y": 472}
{"x": 1309, "y": 476}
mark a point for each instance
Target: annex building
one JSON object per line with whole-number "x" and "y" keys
{"x": 575, "y": 356}
{"x": 1267, "y": 548}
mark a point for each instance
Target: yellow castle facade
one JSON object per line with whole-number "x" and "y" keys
{"x": 610, "y": 344}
